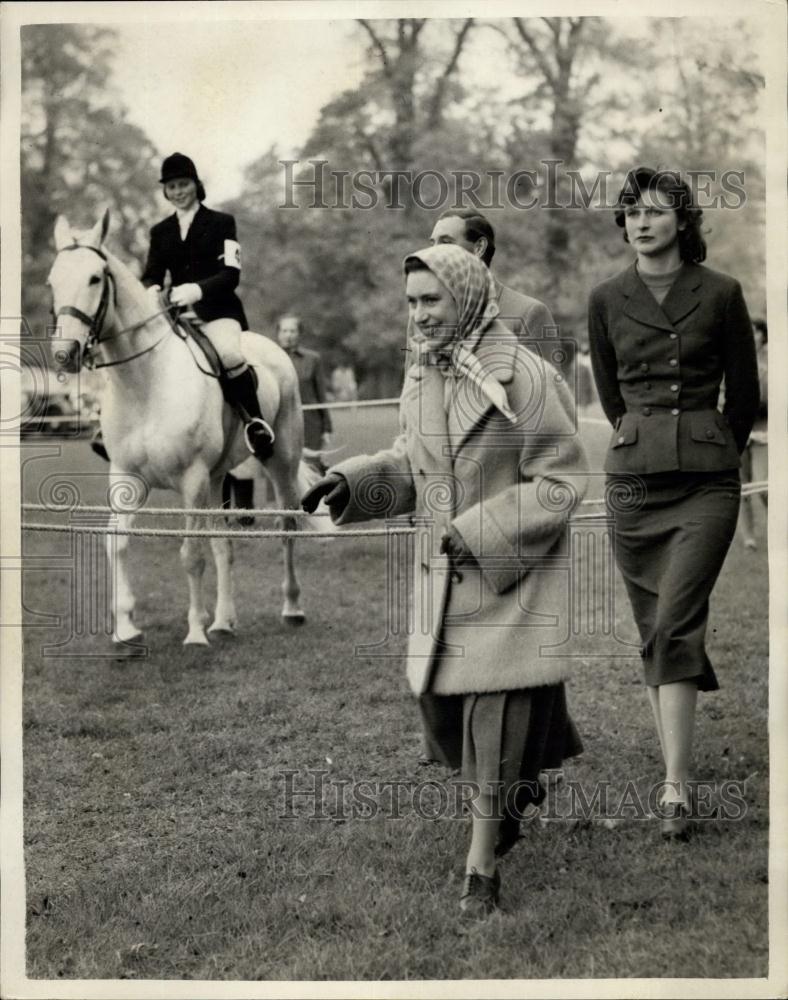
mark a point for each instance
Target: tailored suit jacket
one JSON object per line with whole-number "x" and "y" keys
{"x": 199, "y": 259}
{"x": 312, "y": 385}
{"x": 526, "y": 317}
{"x": 496, "y": 622}
{"x": 658, "y": 371}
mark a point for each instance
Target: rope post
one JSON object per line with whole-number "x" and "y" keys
{"x": 401, "y": 553}
{"x": 90, "y": 616}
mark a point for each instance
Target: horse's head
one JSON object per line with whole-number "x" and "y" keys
{"x": 83, "y": 290}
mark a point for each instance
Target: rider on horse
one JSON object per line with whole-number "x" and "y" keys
{"x": 198, "y": 247}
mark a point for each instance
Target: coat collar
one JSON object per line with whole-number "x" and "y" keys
{"x": 198, "y": 222}
{"x": 424, "y": 394}
{"x": 682, "y": 298}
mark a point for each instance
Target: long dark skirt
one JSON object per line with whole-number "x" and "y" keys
{"x": 670, "y": 551}
{"x": 501, "y": 741}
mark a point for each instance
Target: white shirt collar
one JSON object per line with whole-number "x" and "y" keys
{"x": 185, "y": 218}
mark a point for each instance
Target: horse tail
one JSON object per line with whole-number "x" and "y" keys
{"x": 308, "y": 475}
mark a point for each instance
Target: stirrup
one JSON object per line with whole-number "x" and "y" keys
{"x": 258, "y": 425}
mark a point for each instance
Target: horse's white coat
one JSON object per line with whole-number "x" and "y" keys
{"x": 165, "y": 421}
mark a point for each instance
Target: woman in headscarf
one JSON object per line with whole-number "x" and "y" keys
{"x": 489, "y": 460}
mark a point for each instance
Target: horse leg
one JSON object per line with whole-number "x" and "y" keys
{"x": 283, "y": 472}
{"x": 224, "y": 614}
{"x": 122, "y": 596}
{"x": 196, "y": 493}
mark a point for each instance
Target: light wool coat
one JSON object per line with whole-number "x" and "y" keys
{"x": 499, "y": 623}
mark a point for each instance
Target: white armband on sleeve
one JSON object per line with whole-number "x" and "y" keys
{"x": 232, "y": 254}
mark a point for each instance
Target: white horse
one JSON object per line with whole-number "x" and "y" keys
{"x": 165, "y": 421}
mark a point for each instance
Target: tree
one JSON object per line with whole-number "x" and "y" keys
{"x": 79, "y": 152}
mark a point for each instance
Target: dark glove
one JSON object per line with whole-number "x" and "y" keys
{"x": 453, "y": 545}
{"x": 334, "y": 488}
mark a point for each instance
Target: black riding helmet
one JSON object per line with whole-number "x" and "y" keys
{"x": 178, "y": 165}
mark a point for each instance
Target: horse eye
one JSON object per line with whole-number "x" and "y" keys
{"x": 94, "y": 280}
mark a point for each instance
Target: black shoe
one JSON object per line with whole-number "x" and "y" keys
{"x": 97, "y": 444}
{"x": 480, "y": 894}
{"x": 259, "y": 438}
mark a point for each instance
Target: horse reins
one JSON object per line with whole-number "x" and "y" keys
{"x": 96, "y": 322}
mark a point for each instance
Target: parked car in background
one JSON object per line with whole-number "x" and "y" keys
{"x": 50, "y": 407}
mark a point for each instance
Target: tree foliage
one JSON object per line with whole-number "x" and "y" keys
{"x": 79, "y": 153}
{"x": 593, "y": 96}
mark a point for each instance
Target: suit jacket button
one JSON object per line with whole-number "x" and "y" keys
{"x": 644, "y": 367}
{"x": 621, "y": 439}
{"x": 673, "y": 336}
{"x": 456, "y": 576}
{"x": 675, "y": 413}
{"x": 710, "y": 434}
{"x": 646, "y": 411}
{"x": 673, "y": 362}
{"x": 674, "y": 388}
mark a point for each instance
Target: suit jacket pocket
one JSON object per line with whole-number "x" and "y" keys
{"x": 706, "y": 427}
{"x": 626, "y": 433}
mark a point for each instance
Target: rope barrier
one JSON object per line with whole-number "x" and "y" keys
{"x": 206, "y": 533}
{"x": 79, "y": 419}
{"x": 205, "y": 511}
{"x": 747, "y": 490}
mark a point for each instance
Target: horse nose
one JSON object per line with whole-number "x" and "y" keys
{"x": 68, "y": 356}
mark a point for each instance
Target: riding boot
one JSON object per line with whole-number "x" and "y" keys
{"x": 258, "y": 432}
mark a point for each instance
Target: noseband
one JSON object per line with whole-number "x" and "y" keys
{"x": 93, "y": 323}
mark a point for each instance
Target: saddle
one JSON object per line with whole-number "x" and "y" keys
{"x": 187, "y": 329}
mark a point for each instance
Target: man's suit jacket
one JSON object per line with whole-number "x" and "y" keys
{"x": 311, "y": 383}
{"x": 658, "y": 371}
{"x": 199, "y": 259}
{"x": 526, "y": 317}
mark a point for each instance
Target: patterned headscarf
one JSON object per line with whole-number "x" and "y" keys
{"x": 470, "y": 285}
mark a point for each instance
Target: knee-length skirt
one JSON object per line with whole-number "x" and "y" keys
{"x": 670, "y": 549}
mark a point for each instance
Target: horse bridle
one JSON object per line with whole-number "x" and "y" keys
{"x": 95, "y": 323}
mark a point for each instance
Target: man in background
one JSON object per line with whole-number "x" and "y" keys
{"x": 525, "y": 316}
{"x": 308, "y": 365}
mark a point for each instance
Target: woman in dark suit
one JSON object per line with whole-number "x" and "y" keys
{"x": 199, "y": 248}
{"x": 663, "y": 334}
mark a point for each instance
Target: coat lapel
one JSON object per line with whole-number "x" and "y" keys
{"x": 684, "y": 294}
{"x": 425, "y": 414}
{"x": 199, "y": 223}
{"x": 641, "y": 304}
{"x": 468, "y": 406}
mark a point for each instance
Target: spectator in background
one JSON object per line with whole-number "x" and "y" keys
{"x": 755, "y": 464}
{"x": 317, "y": 423}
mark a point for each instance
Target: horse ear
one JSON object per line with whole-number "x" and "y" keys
{"x": 98, "y": 233}
{"x": 62, "y": 233}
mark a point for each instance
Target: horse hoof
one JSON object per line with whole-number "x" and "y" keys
{"x": 222, "y": 631}
{"x": 294, "y": 619}
{"x": 196, "y": 640}
{"x": 123, "y": 638}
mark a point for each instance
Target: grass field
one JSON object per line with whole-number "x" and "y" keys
{"x": 160, "y": 842}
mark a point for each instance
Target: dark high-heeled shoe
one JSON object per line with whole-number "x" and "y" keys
{"x": 480, "y": 894}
